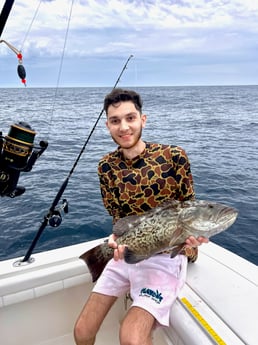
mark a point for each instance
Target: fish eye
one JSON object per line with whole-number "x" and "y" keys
{"x": 211, "y": 206}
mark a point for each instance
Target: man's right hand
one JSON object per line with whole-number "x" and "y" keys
{"x": 118, "y": 249}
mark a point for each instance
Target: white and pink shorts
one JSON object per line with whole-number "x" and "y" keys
{"x": 153, "y": 284}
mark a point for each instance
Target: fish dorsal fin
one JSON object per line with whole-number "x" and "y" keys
{"x": 127, "y": 223}
{"x": 130, "y": 222}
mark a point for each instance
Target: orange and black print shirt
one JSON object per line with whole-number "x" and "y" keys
{"x": 134, "y": 186}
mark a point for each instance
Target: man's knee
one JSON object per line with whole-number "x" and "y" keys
{"x": 134, "y": 330}
{"x": 82, "y": 335}
{"x": 134, "y": 338}
{"x": 128, "y": 338}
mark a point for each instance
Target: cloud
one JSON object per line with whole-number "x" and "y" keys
{"x": 169, "y": 29}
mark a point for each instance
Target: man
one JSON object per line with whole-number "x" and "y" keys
{"x": 133, "y": 179}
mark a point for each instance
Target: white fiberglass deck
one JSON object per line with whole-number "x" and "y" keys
{"x": 39, "y": 303}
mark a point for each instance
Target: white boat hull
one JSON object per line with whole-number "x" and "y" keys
{"x": 40, "y": 302}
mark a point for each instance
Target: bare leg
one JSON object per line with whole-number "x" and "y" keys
{"x": 91, "y": 318}
{"x": 137, "y": 327}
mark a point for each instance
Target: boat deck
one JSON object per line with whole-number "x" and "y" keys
{"x": 108, "y": 334}
{"x": 39, "y": 303}
{"x": 106, "y": 337}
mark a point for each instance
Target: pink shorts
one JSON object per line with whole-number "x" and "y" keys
{"x": 154, "y": 283}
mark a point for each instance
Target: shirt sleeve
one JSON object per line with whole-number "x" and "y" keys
{"x": 185, "y": 191}
{"x": 190, "y": 252}
{"x": 184, "y": 176}
{"x": 110, "y": 202}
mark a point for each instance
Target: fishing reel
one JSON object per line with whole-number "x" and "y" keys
{"x": 17, "y": 154}
{"x": 55, "y": 218}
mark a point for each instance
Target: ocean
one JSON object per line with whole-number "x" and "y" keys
{"x": 216, "y": 125}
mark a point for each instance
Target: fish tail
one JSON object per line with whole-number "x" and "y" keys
{"x": 96, "y": 260}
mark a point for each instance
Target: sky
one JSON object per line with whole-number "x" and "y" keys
{"x": 173, "y": 42}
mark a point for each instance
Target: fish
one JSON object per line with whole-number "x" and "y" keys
{"x": 163, "y": 228}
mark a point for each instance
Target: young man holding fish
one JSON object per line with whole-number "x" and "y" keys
{"x": 135, "y": 178}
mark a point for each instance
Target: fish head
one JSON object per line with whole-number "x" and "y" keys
{"x": 206, "y": 218}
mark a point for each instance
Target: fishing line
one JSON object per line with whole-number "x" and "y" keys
{"x": 61, "y": 62}
{"x": 30, "y": 26}
{"x": 61, "y": 58}
{"x": 53, "y": 217}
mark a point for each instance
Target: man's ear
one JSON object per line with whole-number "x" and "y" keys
{"x": 144, "y": 119}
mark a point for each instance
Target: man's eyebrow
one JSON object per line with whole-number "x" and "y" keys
{"x": 114, "y": 117}
{"x": 117, "y": 116}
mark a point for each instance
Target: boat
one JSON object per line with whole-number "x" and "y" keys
{"x": 40, "y": 300}
{"x": 42, "y": 295}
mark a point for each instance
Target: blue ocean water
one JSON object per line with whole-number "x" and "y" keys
{"x": 216, "y": 125}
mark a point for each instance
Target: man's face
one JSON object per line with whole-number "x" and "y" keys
{"x": 125, "y": 124}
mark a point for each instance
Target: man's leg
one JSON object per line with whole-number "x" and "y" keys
{"x": 91, "y": 318}
{"x": 136, "y": 328}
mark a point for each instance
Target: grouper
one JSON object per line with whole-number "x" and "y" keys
{"x": 163, "y": 228}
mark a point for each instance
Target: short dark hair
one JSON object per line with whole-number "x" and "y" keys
{"x": 121, "y": 95}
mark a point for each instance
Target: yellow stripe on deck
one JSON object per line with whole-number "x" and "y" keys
{"x": 202, "y": 321}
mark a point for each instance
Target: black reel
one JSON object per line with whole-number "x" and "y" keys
{"x": 17, "y": 154}
{"x": 55, "y": 218}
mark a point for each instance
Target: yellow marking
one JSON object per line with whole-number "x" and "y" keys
{"x": 204, "y": 323}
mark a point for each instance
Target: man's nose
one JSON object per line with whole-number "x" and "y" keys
{"x": 123, "y": 125}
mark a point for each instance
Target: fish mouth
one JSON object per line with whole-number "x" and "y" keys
{"x": 227, "y": 215}
{"x": 212, "y": 222}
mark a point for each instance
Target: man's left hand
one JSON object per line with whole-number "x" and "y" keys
{"x": 191, "y": 241}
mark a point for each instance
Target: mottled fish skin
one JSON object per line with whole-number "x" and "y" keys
{"x": 164, "y": 227}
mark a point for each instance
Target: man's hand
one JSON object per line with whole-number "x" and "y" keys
{"x": 191, "y": 241}
{"x": 190, "y": 248}
{"x": 118, "y": 249}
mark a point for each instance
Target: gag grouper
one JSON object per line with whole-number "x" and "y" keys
{"x": 165, "y": 227}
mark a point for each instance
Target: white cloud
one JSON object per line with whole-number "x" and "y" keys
{"x": 121, "y": 21}
{"x": 110, "y": 28}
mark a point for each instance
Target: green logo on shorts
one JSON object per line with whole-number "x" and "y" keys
{"x": 154, "y": 295}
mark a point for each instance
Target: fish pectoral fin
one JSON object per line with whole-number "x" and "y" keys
{"x": 95, "y": 260}
{"x": 176, "y": 250}
{"x": 131, "y": 258}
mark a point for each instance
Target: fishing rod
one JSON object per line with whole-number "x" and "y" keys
{"x": 5, "y": 14}
{"x": 53, "y": 217}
